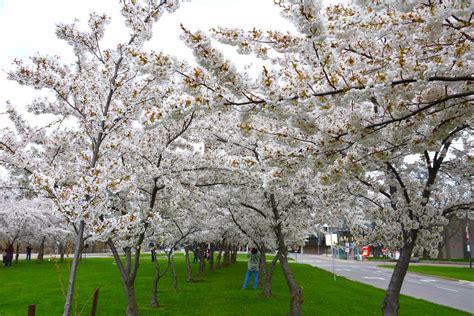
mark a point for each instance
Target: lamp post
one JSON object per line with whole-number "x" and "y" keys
{"x": 333, "y": 255}
{"x": 468, "y": 242}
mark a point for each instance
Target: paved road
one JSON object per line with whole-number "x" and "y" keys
{"x": 456, "y": 294}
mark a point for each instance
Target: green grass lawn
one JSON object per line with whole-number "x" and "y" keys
{"x": 449, "y": 260}
{"x": 217, "y": 293}
{"x": 420, "y": 259}
{"x": 459, "y": 273}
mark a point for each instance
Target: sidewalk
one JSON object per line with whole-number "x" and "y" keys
{"x": 458, "y": 294}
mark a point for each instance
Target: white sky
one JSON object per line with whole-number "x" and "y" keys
{"x": 28, "y": 27}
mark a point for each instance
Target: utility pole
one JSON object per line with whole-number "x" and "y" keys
{"x": 333, "y": 255}
{"x": 468, "y": 242}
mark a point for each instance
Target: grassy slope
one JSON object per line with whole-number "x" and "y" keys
{"x": 459, "y": 273}
{"x": 217, "y": 293}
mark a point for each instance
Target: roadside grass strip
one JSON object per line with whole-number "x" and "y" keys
{"x": 455, "y": 273}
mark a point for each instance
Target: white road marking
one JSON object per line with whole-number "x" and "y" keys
{"x": 427, "y": 280}
{"x": 414, "y": 282}
{"x": 343, "y": 269}
{"x": 445, "y": 288}
{"x": 374, "y": 278}
{"x": 466, "y": 282}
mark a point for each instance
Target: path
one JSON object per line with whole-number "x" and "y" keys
{"x": 456, "y": 294}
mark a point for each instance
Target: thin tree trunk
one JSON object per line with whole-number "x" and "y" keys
{"x": 234, "y": 255}
{"x": 158, "y": 275}
{"x": 17, "y": 256}
{"x": 226, "y": 262}
{"x": 72, "y": 274}
{"x": 426, "y": 254}
{"x": 173, "y": 273}
{"x": 154, "y": 290}
{"x": 268, "y": 277}
{"x": 447, "y": 245}
{"x": 41, "y": 250}
{"x": 211, "y": 257}
{"x": 189, "y": 271}
{"x": 128, "y": 273}
{"x": 219, "y": 257}
{"x": 296, "y": 292}
{"x": 263, "y": 265}
{"x": 390, "y": 303}
{"x": 62, "y": 250}
{"x": 202, "y": 260}
{"x": 82, "y": 249}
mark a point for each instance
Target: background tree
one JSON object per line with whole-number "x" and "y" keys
{"x": 102, "y": 94}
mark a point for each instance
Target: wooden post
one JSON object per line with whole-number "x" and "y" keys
{"x": 94, "y": 301}
{"x": 31, "y": 310}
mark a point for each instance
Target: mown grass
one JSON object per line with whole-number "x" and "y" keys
{"x": 447, "y": 260}
{"x": 216, "y": 293}
{"x": 435, "y": 260}
{"x": 458, "y": 273}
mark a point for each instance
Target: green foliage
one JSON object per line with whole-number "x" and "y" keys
{"x": 216, "y": 293}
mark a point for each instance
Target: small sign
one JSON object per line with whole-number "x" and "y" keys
{"x": 331, "y": 239}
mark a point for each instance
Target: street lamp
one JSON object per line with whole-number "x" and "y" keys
{"x": 468, "y": 241}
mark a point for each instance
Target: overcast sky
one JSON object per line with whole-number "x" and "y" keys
{"x": 28, "y": 27}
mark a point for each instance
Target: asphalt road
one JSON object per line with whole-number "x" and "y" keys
{"x": 456, "y": 294}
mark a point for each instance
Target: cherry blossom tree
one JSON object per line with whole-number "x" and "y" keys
{"x": 265, "y": 205}
{"x": 101, "y": 96}
{"x": 364, "y": 111}
{"x": 361, "y": 88}
{"x": 30, "y": 221}
{"x": 16, "y": 221}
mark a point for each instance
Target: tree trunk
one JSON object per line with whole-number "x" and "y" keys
{"x": 440, "y": 251}
{"x": 263, "y": 265}
{"x": 128, "y": 273}
{"x": 132, "y": 308}
{"x": 426, "y": 254}
{"x": 390, "y": 303}
{"x": 41, "y": 250}
{"x": 82, "y": 248}
{"x": 62, "y": 250}
{"x": 189, "y": 271}
{"x": 234, "y": 255}
{"x": 72, "y": 274}
{"x": 448, "y": 251}
{"x": 219, "y": 257}
{"x": 173, "y": 273}
{"x": 17, "y": 256}
{"x": 226, "y": 262}
{"x": 211, "y": 257}
{"x": 447, "y": 245}
{"x": 202, "y": 260}
{"x": 296, "y": 292}
{"x": 268, "y": 277}
{"x": 154, "y": 290}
